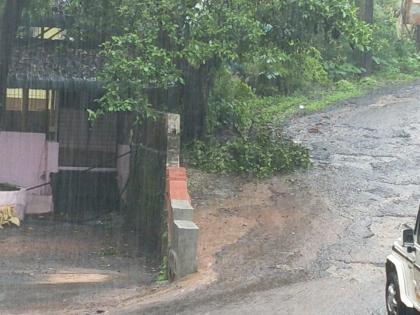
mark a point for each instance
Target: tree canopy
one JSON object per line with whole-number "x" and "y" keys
{"x": 157, "y": 44}
{"x": 182, "y": 43}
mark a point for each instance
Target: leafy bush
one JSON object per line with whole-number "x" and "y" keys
{"x": 411, "y": 64}
{"x": 262, "y": 156}
{"x": 228, "y": 92}
{"x": 340, "y": 71}
{"x": 245, "y": 129}
{"x": 235, "y": 110}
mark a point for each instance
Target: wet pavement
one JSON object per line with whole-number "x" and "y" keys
{"x": 363, "y": 187}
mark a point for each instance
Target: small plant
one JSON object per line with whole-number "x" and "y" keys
{"x": 163, "y": 272}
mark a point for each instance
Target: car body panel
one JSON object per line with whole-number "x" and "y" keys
{"x": 403, "y": 264}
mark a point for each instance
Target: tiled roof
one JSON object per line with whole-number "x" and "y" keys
{"x": 54, "y": 63}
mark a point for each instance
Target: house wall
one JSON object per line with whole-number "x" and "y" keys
{"x": 84, "y": 143}
{"x": 27, "y": 159}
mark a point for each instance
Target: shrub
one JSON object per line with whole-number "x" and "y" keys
{"x": 261, "y": 156}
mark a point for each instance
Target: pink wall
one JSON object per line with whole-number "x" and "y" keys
{"x": 27, "y": 159}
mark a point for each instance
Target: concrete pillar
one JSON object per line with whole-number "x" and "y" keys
{"x": 182, "y": 210}
{"x": 183, "y": 253}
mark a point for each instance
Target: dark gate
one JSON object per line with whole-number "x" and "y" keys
{"x": 86, "y": 185}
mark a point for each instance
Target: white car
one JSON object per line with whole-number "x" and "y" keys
{"x": 403, "y": 274}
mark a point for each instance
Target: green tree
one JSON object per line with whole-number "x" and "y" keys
{"x": 180, "y": 42}
{"x": 300, "y": 36}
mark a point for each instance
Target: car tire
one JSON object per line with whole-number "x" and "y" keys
{"x": 394, "y": 306}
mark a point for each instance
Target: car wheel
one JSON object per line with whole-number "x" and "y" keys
{"x": 394, "y": 306}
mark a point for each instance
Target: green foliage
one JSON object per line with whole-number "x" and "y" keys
{"x": 36, "y": 9}
{"x": 235, "y": 110}
{"x": 411, "y": 65}
{"x": 392, "y": 42}
{"x": 163, "y": 271}
{"x": 262, "y": 156}
{"x": 246, "y": 138}
{"x": 156, "y": 42}
{"x": 313, "y": 23}
{"x": 276, "y": 44}
{"x": 273, "y": 72}
{"x": 133, "y": 64}
{"x": 340, "y": 71}
{"x": 299, "y": 35}
{"x": 95, "y": 22}
{"x": 229, "y": 93}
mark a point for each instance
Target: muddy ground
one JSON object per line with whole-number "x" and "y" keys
{"x": 50, "y": 267}
{"x": 314, "y": 242}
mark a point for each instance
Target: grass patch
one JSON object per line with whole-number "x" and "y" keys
{"x": 282, "y": 108}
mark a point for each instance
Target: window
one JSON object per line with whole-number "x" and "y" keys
{"x": 38, "y": 100}
{"x": 14, "y": 99}
{"x": 31, "y": 110}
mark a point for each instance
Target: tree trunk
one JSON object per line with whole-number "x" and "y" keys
{"x": 10, "y": 19}
{"x": 195, "y": 96}
{"x": 366, "y": 14}
{"x": 418, "y": 38}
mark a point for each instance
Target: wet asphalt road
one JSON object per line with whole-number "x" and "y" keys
{"x": 366, "y": 158}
